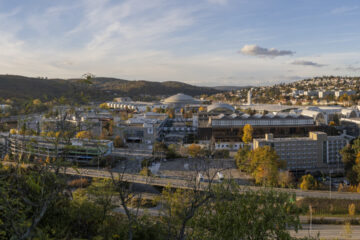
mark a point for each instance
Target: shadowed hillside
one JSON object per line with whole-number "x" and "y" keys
{"x": 102, "y": 88}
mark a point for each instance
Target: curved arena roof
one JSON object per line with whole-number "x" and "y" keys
{"x": 220, "y": 107}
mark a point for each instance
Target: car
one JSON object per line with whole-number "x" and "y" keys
{"x": 200, "y": 177}
{"x": 220, "y": 176}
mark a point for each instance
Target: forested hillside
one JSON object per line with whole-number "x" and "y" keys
{"x": 12, "y": 86}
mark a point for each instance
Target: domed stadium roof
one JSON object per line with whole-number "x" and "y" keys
{"x": 180, "y": 98}
{"x": 220, "y": 107}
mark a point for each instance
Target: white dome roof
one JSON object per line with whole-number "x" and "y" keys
{"x": 180, "y": 98}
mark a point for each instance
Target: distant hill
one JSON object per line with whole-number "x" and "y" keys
{"x": 229, "y": 88}
{"x": 25, "y": 87}
{"x": 142, "y": 87}
{"x": 101, "y": 89}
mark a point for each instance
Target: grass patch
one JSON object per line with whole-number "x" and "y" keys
{"x": 328, "y": 207}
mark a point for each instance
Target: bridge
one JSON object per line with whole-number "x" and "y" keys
{"x": 185, "y": 184}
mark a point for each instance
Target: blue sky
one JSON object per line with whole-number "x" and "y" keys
{"x": 202, "y": 42}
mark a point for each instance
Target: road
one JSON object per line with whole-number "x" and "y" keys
{"x": 328, "y": 231}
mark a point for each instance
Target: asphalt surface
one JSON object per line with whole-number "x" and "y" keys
{"x": 328, "y": 231}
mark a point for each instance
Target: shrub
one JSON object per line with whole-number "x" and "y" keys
{"x": 143, "y": 202}
{"x": 79, "y": 183}
{"x": 118, "y": 142}
{"x": 145, "y": 172}
{"x": 308, "y": 182}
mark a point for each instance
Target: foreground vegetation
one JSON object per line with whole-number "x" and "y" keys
{"x": 40, "y": 204}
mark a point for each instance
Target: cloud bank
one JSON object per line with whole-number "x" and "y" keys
{"x": 255, "y": 50}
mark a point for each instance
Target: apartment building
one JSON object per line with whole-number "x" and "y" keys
{"x": 316, "y": 152}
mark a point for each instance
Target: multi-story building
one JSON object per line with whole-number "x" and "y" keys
{"x": 80, "y": 150}
{"x": 228, "y": 128}
{"x": 317, "y": 152}
{"x": 142, "y": 128}
{"x": 348, "y": 92}
{"x": 4, "y": 107}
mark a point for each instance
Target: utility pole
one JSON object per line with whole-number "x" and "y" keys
{"x": 330, "y": 183}
{"x": 310, "y": 228}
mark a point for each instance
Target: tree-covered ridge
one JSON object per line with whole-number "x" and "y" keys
{"x": 13, "y": 86}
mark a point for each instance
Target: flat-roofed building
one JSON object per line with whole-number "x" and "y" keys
{"x": 79, "y": 150}
{"x": 228, "y": 128}
{"x": 317, "y": 152}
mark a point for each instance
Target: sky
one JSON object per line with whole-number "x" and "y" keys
{"x": 200, "y": 42}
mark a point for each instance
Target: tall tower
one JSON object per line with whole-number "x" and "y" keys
{"x": 249, "y": 95}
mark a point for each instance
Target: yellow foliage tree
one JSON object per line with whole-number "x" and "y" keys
{"x": 83, "y": 134}
{"x": 194, "y": 150}
{"x": 37, "y": 101}
{"x": 352, "y": 209}
{"x": 264, "y": 165}
{"x": 104, "y": 106}
{"x": 201, "y": 109}
{"x": 247, "y": 133}
{"x": 13, "y": 131}
{"x": 308, "y": 182}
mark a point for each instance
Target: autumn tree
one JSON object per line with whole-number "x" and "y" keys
{"x": 351, "y": 159}
{"x": 285, "y": 179}
{"x": 247, "y": 134}
{"x": 104, "y": 106}
{"x": 83, "y": 135}
{"x": 170, "y": 112}
{"x": 265, "y": 165}
{"x": 242, "y": 158}
{"x": 118, "y": 142}
{"x": 194, "y": 150}
{"x": 308, "y": 182}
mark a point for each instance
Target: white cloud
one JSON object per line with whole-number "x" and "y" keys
{"x": 344, "y": 10}
{"x": 307, "y": 63}
{"x": 255, "y": 50}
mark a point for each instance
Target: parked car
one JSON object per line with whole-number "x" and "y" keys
{"x": 219, "y": 176}
{"x": 200, "y": 177}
